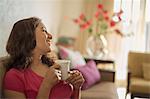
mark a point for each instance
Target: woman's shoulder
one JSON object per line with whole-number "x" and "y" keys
{"x": 14, "y": 72}
{"x": 14, "y": 80}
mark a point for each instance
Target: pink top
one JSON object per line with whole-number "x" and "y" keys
{"x": 28, "y": 82}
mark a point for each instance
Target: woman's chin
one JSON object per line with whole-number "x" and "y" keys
{"x": 49, "y": 50}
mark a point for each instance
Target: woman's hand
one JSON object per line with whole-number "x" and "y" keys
{"x": 49, "y": 81}
{"x": 51, "y": 77}
{"x": 76, "y": 79}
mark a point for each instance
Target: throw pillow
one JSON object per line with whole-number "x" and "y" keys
{"x": 90, "y": 74}
{"x": 74, "y": 56}
{"x": 146, "y": 72}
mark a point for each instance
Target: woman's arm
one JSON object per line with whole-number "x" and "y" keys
{"x": 42, "y": 94}
{"x": 44, "y": 90}
{"x": 49, "y": 81}
{"x": 77, "y": 80}
{"x": 9, "y": 94}
{"x": 76, "y": 94}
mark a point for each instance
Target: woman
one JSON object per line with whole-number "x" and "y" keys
{"x": 28, "y": 76}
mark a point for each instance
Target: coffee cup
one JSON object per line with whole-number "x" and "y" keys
{"x": 64, "y": 68}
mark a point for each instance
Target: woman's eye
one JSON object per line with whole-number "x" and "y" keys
{"x": 45, "y": 31}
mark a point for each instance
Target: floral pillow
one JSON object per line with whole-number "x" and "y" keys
{"x": 74, "y": 56}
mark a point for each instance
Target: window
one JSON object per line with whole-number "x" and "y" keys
{"x": 147, "y": 28}
{"x": 133, "y": 21}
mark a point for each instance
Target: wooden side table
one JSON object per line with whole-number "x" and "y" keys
{"x": 102, "y": 61}
{"x": 107, "y": 75}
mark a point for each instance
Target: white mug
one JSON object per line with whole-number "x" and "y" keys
{"x": 64, "y": 68}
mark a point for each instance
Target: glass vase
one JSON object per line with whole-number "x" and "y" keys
{"x": 96, "y": 46}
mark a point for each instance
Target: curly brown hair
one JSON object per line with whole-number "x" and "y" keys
{"x": 21, "y": 42}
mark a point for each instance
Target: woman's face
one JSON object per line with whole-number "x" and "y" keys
{"x": 43, "y": 39}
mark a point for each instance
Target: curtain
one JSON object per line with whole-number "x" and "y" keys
{"x": 147, "y": 28}
{"x": 147, "y": 36}
{"x": 133, "y": 23}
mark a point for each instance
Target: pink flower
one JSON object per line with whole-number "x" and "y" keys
{"x": 84, "y": 26}
{"x": 89, "y": 22}
{"x": 106, "y": 18}
{"x": 102, "y": 17}
{"x": 97, "y": 14}
{"x": 82, "y": 16}
{"x": 76, "y": 21}
{"x": 112, "y": 23}
{"x": 105, "y": 12}
{"x": 100, "y": 6}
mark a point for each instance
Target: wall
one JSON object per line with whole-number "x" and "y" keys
{"x": 12, "y": 10}
{"x": 71, "y": 10}
{"x": 52, "y": 12}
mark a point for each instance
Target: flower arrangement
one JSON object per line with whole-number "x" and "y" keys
{"x": 100, "y": 21}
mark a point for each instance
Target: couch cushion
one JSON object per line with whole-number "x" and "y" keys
{"x": 90, "y": 74}
{"x": 135, "y": 62}
{"x": 139, "y": 85}
{"x": 2, "y": 72}
{"x": 146, "y": 71}
{"x": 102, "y": 90}
{"x": 74, "y": 56}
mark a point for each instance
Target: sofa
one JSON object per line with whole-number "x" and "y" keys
{"x": 2, "y": 73}
{"x": 139, "y": 75}
{"x": 104, "y": 89}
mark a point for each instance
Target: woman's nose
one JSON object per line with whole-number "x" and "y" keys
{"x": 49, "y": 36}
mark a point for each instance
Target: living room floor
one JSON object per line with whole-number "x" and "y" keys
{"x": 122, "y": 92}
